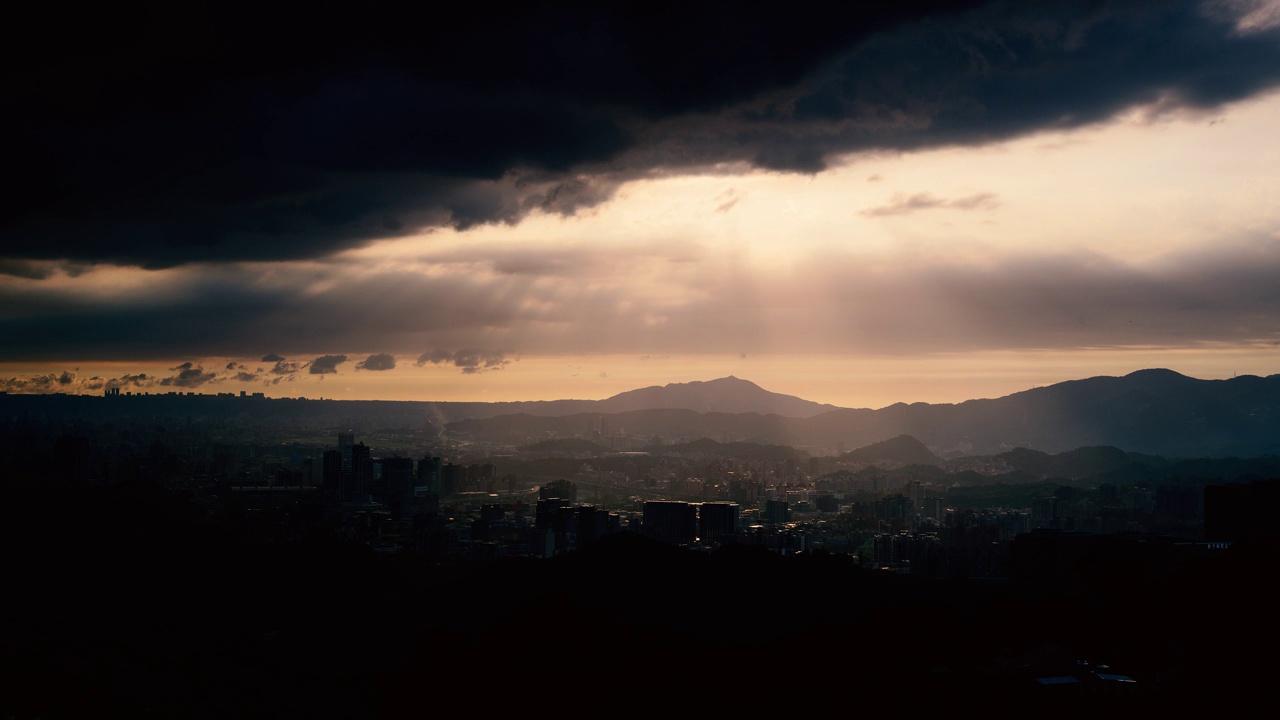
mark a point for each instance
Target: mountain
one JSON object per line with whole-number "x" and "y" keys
{"x": 725, "y": 395}
{"x": 1157, "y": 412}
{"x": 901, "y": 450}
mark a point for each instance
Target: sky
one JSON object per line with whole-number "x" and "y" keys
{"x": 887, "y": 202}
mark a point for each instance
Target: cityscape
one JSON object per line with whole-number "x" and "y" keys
{"x": 715, "y": 360}
{"x": 266, "y": 550}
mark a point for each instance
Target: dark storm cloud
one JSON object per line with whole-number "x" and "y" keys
{"x": 377, "y": 361}
{"x": 828, "y": 302}
{"x": 990, "y": 74}
{"x": 271, "y": 358}
{"x": 327, "y": 364}
{"x": 203, "y": 311}
{"x": 310, "y": 129}
{"x": 25, "y": 269}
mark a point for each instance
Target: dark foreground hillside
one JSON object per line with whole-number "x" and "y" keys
{"x": 123, "y": 606}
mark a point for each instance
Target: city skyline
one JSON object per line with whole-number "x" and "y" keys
{"x": 933, "y": 203}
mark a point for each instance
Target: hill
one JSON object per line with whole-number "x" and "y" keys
{"x": 725, "y": 395}
{"x": 1155, "y": 412}
{"x": 901, "y": 450}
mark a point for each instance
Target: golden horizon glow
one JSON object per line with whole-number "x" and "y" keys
{"x": 837, "y": 380}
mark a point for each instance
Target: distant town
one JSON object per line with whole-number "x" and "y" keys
{"x": 273, "y": 496}
{"x": 427, "y": 490}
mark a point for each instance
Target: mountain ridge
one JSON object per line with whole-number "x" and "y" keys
{"x": 1155, "y": 411}
{"x": 727, "y": 394}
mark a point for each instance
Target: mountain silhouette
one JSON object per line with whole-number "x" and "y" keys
{"x": 1154, "y": 411}
{"x": 901, "y": 450}
{"x": 726, "y": 395}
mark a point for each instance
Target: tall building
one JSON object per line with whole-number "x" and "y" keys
{"x": 717, "y": 522}
{"x": 777, "y": 512}
{"x": 453, "y": 479}
{"x": 429, "y": 473}
{"x": 671, "y": 521}
{"x": 593, "y": 524}
{"x": 361, "y": 472}
{"x": 563, "y": 489}
{"x": 332, "y": 476}
{"x": 346, "y": 441}
{"x": 396, "y": 482}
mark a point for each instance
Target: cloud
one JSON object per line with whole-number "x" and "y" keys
{"x": 1249, "y": 16}
{"x": 46, "y": 383}
{"x": 377, "y": 361}
{"x": 138, "y": 380}
{"x": 282, "y": 367}
{"x": 26, "y": 269}
{"x": 272, "y": 358}
{"x": 472, "y": 362}
{"x": 820, "y": 301}
{"x": 726, "y": 200}
{"x": 393, "y": 123}
{"x": 189, "y": 375}
{"x": 478, "y": 361}
{"x": 907, "y": 204}
{"x": 327, "y": 364}
{"x": 435, "y": 357}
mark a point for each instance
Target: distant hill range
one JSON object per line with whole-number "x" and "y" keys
{"x": 1158, "y": 412}
{"x": 725, "y": 395}
{"x": 901, "y": 450}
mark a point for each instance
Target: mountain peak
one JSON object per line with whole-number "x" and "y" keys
{"x": 1155, "y": 373}
{"x": 904, "y": 449}
{"x": 727, "y": 394}
{"x": 730, "y": 380}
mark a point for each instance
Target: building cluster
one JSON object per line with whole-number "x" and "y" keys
{"x": 454, "y": 510}
{"x": 406, "y": 491}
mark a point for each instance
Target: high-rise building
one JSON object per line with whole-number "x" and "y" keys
{"x": 361, "y": 472}
{"x": 563, "y": 489}
{"x": 593, "y": 524}
{"x": 717, "y": 522}
{"x": 429, "y": 473}
{"x": 332, "y": 476}
{"x": 777, "y": 512}
{"x": 670, "y": 521}
{"x": 346, "y": 440}
{"x": 396, "y": 482}
{"x": 453, "y": 479}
